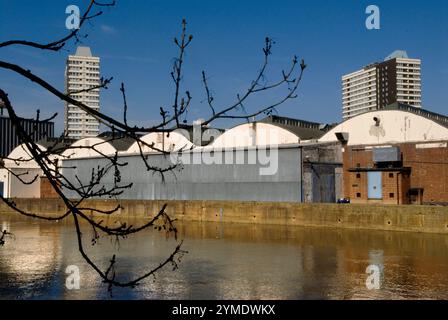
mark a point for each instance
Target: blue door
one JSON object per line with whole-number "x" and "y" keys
{"x": 375, "y": 185}
{"x": 1, "y": 188}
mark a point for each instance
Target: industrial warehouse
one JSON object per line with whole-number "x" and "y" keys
{"x": 396, "y": 155}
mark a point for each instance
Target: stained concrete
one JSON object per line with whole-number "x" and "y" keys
{"x": 430, "y": 219}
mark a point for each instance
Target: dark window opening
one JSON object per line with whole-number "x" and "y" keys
{"x": 358, "y": 176}
{"x": 391, "y": 195}
{"x": 391, "y": 175}
{"x": 358, "y": 195}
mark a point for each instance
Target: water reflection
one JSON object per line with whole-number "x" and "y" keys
{"x": 229, "y": 261}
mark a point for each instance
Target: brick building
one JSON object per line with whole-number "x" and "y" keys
{"x": 398, "y": 155}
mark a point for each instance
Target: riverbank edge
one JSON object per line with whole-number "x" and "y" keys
{"x": 426, "y": 219}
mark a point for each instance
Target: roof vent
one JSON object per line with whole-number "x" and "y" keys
{"x": 83, "y": 52}
{"x": 397, "y": 54}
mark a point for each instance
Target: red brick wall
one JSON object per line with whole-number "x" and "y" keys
{"x": 429, "y": 170}
{"x": 358, "y": 187}
{"x": 352, "y": 184}
{"x": 46, "y": 190}
{"x": 395, "y": 187}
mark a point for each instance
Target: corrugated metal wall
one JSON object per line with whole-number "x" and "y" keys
{"x": 9, "y": 139}
{"x": 200, "y": 181}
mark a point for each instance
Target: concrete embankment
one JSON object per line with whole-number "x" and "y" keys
{"x": 430, "y": 219}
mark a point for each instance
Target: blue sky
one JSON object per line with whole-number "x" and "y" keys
{"x": 135, "y": 42}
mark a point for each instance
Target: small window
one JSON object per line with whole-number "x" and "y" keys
{"x": 391, "y": 195}
{"x": 358, "y": 176}
{"x": 391, "y": 175}
{"x": 358, "y": 195}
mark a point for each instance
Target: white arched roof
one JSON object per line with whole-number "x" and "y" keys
{"x": 89, "y": 147}
{"x": 24, "y": 157}
{"x": 394, "y": 126}
{"x": 255, "y": 134}
{"x": 172, "y": 141}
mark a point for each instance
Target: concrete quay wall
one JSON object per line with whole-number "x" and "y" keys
{"x": 430, "y": 219}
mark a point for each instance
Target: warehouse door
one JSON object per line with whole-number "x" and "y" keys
{"x": 323, "y": 188}
{"x": 375, "y": 185}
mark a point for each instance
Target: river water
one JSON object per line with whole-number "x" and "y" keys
{"x": 226, "y": 261}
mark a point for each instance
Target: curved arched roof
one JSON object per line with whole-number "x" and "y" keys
{"x": 255, "y": 134}
{"x": 392, "y": 126}
{"x": 89, "y": 147}
{"x": 24, "y": 157}
{"x": 172, "y": 141}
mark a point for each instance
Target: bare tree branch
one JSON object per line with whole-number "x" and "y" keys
{"x": 53, "y": 167}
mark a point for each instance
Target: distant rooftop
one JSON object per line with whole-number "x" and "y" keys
{"x": 117, "y": 139}
{"x": 306, "y": 130}
{"x": 120, "y": 144}
{"x": 436, "y": 117}
{"x": 83, "y": 52}
{"x": 56, "y": 145}
{"x": 397, "y": 54}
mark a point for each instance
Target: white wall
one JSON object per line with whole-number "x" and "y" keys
{"x": 394, "y": 127}
{"x": 17, "y": 189}
{"x": 13, "y": 187}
